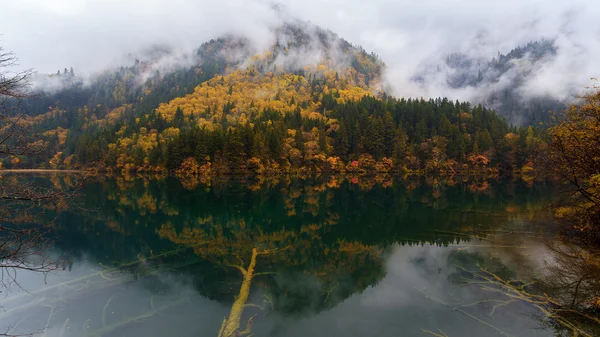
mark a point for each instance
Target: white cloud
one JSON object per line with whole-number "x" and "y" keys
{"x": 93, "y": 34}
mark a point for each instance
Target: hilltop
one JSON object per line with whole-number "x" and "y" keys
{"x": 311, "y": 102}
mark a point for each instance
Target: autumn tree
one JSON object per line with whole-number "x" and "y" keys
{"x": 13, "y": 88}
{"x": 575, "y": 157}
{"x": 21, "y": 247}
{"x": 293, "y": 120}
{"x": 400, "y": 147}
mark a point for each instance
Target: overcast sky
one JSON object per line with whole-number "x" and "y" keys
{"x": 90, "y": 35}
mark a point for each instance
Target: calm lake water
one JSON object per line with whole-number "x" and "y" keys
{"x": 287, "y": 258}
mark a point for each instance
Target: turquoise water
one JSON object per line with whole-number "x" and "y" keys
{"x": 333, "y": 258}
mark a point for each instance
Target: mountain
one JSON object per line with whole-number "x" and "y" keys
{"x": 308, "y": 103}
{"x": 499, "y": 82}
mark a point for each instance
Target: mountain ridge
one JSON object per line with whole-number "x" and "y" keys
{"x": 310, "y": 102}
{"x": 500, "y": 82}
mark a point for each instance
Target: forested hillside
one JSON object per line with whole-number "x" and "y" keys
{"x": 310, "y": 103}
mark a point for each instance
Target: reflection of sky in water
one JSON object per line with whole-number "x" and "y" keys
{"x": 171, "y": 298}
{"x": 331, "y": 283}
{"x": 392, "y": 307}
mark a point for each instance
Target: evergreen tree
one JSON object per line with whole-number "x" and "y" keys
{"x": 374, "y": 138}
{"x": 299, "y": 140}
{"x": 234, "y": 149}
{"x": 389, "y": 133}
{"x": 323, "y": 140}
{"x": 340, "y": 142}
{"x": 400, "y": 147}
{"x": 178, "y": 120}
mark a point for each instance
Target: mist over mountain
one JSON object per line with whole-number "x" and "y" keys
{"x": 429, "y": 117}
{"x": 288, "y": 95}
{"x": 501, "y": 83}
{"x": 298, "y": 47}
{"x": 308, "y": 103}
{"x": 92, "y": 36}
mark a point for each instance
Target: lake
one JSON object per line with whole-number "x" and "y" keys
{"x": 284, "y": 257}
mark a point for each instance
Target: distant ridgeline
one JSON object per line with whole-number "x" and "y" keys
{"x": 500, "y": 81}
{"x": 311, "y": 103}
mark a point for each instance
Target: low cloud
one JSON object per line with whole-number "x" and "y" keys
{"x": 92, "y": 35}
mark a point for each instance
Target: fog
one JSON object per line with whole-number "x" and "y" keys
{"x": 92, "y": 35}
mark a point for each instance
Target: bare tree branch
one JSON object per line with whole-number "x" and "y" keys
{"x": 24, "y": 237}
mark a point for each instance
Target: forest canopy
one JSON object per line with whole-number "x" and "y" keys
{"x": 267, "y": 113}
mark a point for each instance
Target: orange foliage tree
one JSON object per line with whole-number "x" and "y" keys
{"x": 575, "y": 157}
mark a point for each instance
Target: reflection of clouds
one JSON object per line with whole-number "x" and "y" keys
{"x": 390, "y": 308}
{"x": 153, "y": 306}
{"x": 408, "y": 267}
{"x": 328, "y": 245}
{"x": 517, "y": 246}
{"x": 394, "y": 307}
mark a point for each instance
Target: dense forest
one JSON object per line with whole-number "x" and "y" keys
{"x": 276, "y": 111}
{"x": 312, "y": 106}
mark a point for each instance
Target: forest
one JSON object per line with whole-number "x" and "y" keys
{"x": 290, "y": 157}
{"x": 265, "y": 116}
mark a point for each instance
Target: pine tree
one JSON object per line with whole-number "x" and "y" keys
{"x": 299, "y": 140}
{"x": 373, "y": 138}
{"x": 340, "y": 142}
{"x": 178, "y": 120}
{"x": 389, "y": 133}
{"x": 274, "y": 143}
{"x": 234, "y": 149}
{"x": 323, "y": 140}
{"x": 400, "y": 147}
{"x": 259, "y": 145}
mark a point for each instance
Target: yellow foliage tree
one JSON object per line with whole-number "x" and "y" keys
{"x": 575, "y": 157}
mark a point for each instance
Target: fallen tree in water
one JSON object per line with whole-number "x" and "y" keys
{"x": 231, "y": 325}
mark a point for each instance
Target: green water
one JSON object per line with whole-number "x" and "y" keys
{"x": 155, "y": 258}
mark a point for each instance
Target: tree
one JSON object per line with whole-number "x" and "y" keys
{"x": 179, "y": 118}
{"x": 575, "y": 157}
{"x": 483, "y": 139}
{"x": 14, "y": 140}
{"x": 118, "y": 93}
{"x": 323, "y": 140}
{"x": 389, "y": 133}
{"x": 234, "y": 149}
{"x": 374, "y": 138}
{"x": 21, "y": 248}
{"x": 400, "y": 147}
{"x": 340, "y": 142}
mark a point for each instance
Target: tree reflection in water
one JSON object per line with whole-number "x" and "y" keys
{"x": 566, "y": 295}
{"x": 332, "y": 239}
{"x": 572, "y": 284}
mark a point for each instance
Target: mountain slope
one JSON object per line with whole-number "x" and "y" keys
{"x": 500, "y": 83}
{"x": 309, "y": 103}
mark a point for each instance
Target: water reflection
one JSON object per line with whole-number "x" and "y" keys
{"x": 572, "y": 281}
{"x": 290, "y": 258}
